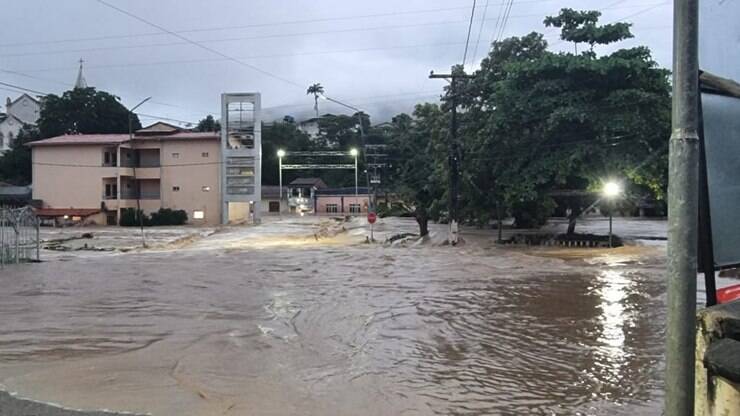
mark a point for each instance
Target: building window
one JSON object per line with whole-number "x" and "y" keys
{"x": 111, "y": 191}
{"x": 332, "y": 208}
{"x": 274, "y": 206}
{"x": 175, "y": 155}
{"x": 204, "y": 154}
{"x": 206, "y": 189}
{"x": 110, "y": 158}
{"x": 175, "y": 189}
{"x": 354, "y": 208}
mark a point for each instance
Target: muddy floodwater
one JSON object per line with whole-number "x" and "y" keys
{"x": 283, "y": 320}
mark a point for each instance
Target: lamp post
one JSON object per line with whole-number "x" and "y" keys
{"x": 611, "y": 191}
{"x": 138, "y": 193}
{"x": 280, "y": 155}
{"x": 354, "y": 153}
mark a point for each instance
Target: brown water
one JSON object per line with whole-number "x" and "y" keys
{"x": 297, "y": 326}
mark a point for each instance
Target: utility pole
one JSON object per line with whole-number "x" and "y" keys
{"x": 454, "y": 153}
{"x": 139, "y": 212}
{"x": 683, "y": 205}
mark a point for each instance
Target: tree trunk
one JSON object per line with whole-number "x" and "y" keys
{"x": 423, "y": 222}
{"x": 572, "y": 217}
{"x": 500, "y": 223}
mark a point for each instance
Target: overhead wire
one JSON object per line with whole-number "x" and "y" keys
{"x": 253, "y": 25}
{"x": 470, "y": 29}
{"x": 480, "y": 31}
{"x": 200, "y": 45}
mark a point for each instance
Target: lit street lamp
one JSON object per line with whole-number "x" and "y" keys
{"x": 354, "y": 153}
{"x": 611, "y": 191}
{"x": 280, "y": 155}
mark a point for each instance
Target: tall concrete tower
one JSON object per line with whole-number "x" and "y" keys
{"x": 241, "y": 157}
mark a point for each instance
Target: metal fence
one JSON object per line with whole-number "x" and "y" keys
{"x": 19, "y": 236}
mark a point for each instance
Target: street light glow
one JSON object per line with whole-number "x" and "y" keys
{"x": 281, "y": 153}
{"x": 354, "y": 152}
{"x": 611, "y": 189}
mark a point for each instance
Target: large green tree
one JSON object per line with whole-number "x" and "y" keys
{"x": 15, "y": 164}
{"x": 536, "y": 121}
{"x": 417, "y": 149}
{"x": 208, "y": 124}
{"x": 84, "y": 111}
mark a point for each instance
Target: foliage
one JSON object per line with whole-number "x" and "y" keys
{"x": 316, "y": 90}
{"x": 84, "y": 111}
{"x": 582, "y": 26}
{"x": 131, "y": 217}
{"x": 208, "y": 124}
{"x": 15, "y": 164}
{"x": 417, "y": 153}
{"x": 167, "y": 216}
{"x": 534, "y": 123}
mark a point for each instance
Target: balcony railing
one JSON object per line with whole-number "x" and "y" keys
{"x": 140, "y": 195}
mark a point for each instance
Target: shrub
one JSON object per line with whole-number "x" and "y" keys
{"x": 130, "y": 217}
{"x": 167, "y": 216}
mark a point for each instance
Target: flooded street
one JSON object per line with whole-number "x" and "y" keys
{"x": 282, "y": 320}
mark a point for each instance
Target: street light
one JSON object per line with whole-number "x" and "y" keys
{"x": 280, "y": 155}
{"x": 354, "y": 152}
{"x": 611, "y": 191}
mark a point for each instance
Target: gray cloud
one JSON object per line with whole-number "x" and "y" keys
{"x": 375, "y": 54}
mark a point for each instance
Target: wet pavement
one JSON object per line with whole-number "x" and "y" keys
{"x": 297, "y": 318}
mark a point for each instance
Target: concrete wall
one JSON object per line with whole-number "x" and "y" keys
{"x": 342, "y": 203}
{"x": 716, "y": 395}
{"x": 191, "y": 171}
{"x": 191, "y": 166}
{"x": 69, "y": 176}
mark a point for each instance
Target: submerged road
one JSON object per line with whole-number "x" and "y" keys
{"x": 288, "y": 319}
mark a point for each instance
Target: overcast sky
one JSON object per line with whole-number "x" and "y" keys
{"x": 374, "y": 54}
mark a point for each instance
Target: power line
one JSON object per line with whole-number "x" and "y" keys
{"x": 480, "y": 31}
{"x": 198, "y": 44}
{"x": 470, "y": 29}
{"x": 23, "y": 88}
{"x": 270, "y": 36}
{"x": 278, "y": 55}
{"x": 252, "y": 25}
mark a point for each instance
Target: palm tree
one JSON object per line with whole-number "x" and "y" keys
{"x": 316, "y": 90}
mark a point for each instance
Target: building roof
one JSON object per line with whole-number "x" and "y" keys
{"x": 183, "y": 135}
{"x": 80, "y": 139}
{"x": 86, "y": 139}
{"x": 60, "y": 212}
{"x": 159, "y": 127}
{"x": 9, "y": 193}
{"x": 349, "y": 191}
{"x": 270, "y": 191}
{"x": 21, "y": 96}
{"x": 316, "y": 182}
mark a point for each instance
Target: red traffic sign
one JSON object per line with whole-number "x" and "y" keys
{"x": 371, "y": 217}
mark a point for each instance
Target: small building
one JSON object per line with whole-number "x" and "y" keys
{"x": 272, "y": 203}
{"x": 346, "y": 201}
{"x": 14, "y": 196}
{"x": 302, "y": 192}
{"x": 23, "y": 110}
{"x": 311, "y": 128}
